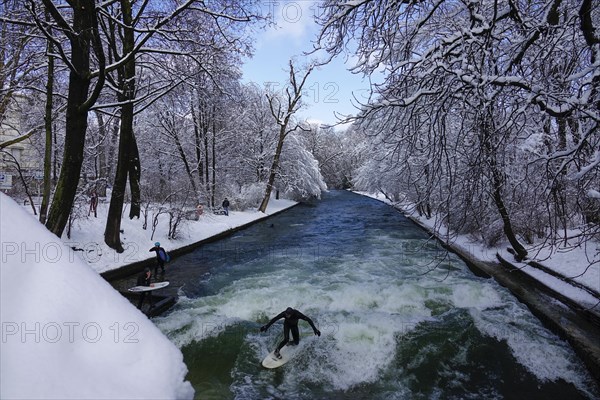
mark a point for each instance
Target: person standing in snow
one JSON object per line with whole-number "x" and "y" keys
{"x": 93, "y": 204}
{"x": 226, "y": 206}
{"x": 161, "y": 258}
{"x": 144, "y": 280}
{"x": 290, "y": 324}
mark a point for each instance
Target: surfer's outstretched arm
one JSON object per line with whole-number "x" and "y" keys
{"x": 310, "y": 322}
{"x": 271, "y": 322}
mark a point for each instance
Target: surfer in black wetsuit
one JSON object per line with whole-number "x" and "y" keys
{"x": 161, "y": 257}
{"x": 144, "y": 279}
{"x": 290, "y": 323}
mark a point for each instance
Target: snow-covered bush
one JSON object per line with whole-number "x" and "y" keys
{"x": 250, "y": 196}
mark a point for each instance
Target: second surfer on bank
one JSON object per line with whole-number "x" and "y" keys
{"x": 290, "y": 324}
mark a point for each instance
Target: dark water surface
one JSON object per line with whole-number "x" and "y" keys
{"x": 400, "y": 317}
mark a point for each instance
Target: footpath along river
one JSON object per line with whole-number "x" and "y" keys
{"x": 400, "y": 317}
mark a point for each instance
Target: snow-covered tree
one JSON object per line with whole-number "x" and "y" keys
{"x": 299, "y": 175}
{"x": 468, "y": 88}
{"x": 336, "y": 152}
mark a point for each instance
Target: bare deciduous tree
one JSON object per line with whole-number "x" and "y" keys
{"x": 283, "y": 110}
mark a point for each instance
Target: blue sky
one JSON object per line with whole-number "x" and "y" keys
{"x": 329, "y": 89}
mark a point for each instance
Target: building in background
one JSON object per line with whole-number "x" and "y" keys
{"x": 24, "y": 155}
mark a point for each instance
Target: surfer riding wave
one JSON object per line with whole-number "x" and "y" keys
{"x": 290, "y": 324}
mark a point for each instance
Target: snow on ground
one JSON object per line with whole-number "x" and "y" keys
{"x": 574, "y": 263}
{"x": 66, "y": 333}
{"x": 88, "y": 233}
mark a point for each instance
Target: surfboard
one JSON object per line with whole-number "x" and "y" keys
{"x": 157, "y": 285}
{"x": 287, "y": 353}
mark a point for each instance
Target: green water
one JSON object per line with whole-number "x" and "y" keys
{"x": 400, "y": 317}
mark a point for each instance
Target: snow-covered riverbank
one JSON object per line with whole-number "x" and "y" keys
{"x": 87, "y": 234}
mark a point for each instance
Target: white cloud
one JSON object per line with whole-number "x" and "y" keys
{"x": 293, "y": 20}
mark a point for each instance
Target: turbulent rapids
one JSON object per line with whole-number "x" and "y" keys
{"x": 399, "y": 316}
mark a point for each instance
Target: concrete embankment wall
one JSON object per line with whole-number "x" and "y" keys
{"x": 136, "y": 267}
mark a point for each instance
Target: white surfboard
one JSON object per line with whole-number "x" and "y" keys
{"x": 287, "y": 353}
{"x": 154, "y": 286}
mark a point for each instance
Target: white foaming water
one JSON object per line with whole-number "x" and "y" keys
{"x": 540, "y": 351}
{"x": 362, "y": 306}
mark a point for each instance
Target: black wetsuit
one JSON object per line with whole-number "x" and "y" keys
{"x": 226, "y": 206}
{"x": 159, "y": 261}
{"x": 290, "y": 324}
{"x": 144, "y": 280}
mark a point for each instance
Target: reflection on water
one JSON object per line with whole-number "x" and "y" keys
{"x": 400, "y": 317}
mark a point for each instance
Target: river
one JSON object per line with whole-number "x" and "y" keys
{"x": 400, "y": 317}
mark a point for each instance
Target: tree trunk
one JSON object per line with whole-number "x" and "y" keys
{"x": 520, "y": 252}
{"x": 498, "y": 183}
{"x": 260, "y": 167}
{"x": 55, "y": 159}
{"x": 78, "y": 105}
{"x": 102, "y": 156}
{"x": 112, "y": 234}
{"x": 48, "y": 129}
{"x": 135, "y": 173}
{"x": 214, "y": 158}
{"x": 273, "y": 170}
{"x": 162, "y": 183}
{"x": 186, "y": 164}
{"x": 198, "y": 146}
{"x": 206, "y": 166}
{"x": 75, "y": 126}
